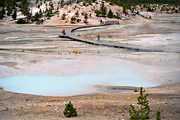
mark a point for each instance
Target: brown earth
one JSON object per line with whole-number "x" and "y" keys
{"x": 89, "y": 107}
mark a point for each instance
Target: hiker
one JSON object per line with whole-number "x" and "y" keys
{"x": 98, "y": 37}
{"x": 64, "y": 32}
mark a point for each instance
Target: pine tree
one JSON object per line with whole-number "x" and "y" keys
{"x": 85, "y": 18}
{"x": 69, "y": 110}
{"x": 77, "y": 14}
{"x": 37, "y": 17}
{"x": 10, "y": 5}
{"x": 103, "y": 10}
{"x": 40, "y": 12}
{"x": 25, "y": 9}
{"x": 143, "y": 112}
{"x": 158, "y": 115}
{"x": 14, "y": 16}
{"x": 134, "y": 113}
{"x": 49, "y": 12}
{"x": 110, "y": 14}
{"x": 37, "y": 1}
{"x": 2, "y": 12}
{"x": 62, "y": 3}
{"x": 73, "y": 19}
{"x": 63, "y": 17}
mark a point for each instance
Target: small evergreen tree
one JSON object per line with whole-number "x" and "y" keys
{"x": 14, "y": 16}
{"x": 63, "y": 17}
{"x": 77, "y": 14}
{"x": 2, "y": 13}
{"x": 110, "y": 14}
{"x": 143, "y": 112}
{"x": 51, "y": 5}
{"x": 21, "y": 21}
{"x": 134, "y": 113}
{"x": 62, "y": 3}
{"x": 103, "y": 10}
{"x": 40, "y": 12}
{"x": 73, "y": 19}
{"x": 69, "y": 110}
{"x": 37, "y": 17}
{"x": 85, "y": 18}
{"x": 9, "y": 11}
{"x": 158, "y": 115}
{"x": 49, "y": 12}
{"x": 10, "y": 4}
{"x": 24, "y": 6}
{"x": 98, "y": 13}
{"x": 37, "y": 1}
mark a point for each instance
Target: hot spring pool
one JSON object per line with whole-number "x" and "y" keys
{"x": 68, "y": 85}
{"x": 68, "y": 77}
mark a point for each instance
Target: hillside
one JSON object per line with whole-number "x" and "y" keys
{"x": 80, "y": 12}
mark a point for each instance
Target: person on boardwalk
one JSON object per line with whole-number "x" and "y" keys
{"x": 98, "y": 37}
{"x": 64, "y": 32}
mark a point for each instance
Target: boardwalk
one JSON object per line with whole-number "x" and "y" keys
{"x": 70, "y": 35}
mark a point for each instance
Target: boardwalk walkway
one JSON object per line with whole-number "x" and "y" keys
{"x": 70, "y": 35}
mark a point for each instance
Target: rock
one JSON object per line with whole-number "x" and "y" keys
{"x": 163, "y": 8}
{"x": 169, "y": 12}
{"x": 55, "y": 108}
{"x": 128, "y": 11}
{"x": 3, "y": 108}
{"x": 137, "y": 7}
{"x": 176, "y": 10}
{"x": 145, "y": 15}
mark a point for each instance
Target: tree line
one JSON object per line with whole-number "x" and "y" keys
{"x": 9, "y": 8}
{"x": 129, "y": 3}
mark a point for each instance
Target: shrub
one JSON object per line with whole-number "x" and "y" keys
{"x": 49, "y": 12}
{"x": 85, "y": 18}
{"x": 73, "y": 19}
{"x": 77, "y": 14}
{"x": 143, "y": 112}
{"x": 102, "y": 12}
{"x": 37, "y": 16}
{"x": 38, "y": 6}
{"x": 69, "y": 110}
{"x": 21, "y": 21}
{"x": 14, "y": 16}
{"x": 84, "y": 4}
{"x": 63, "y": 17}
{"x": 110, "y": 14}
{"x": 2, "y": 13}
{"x": 98, "y": 13}
{"x": 62, "y": 3}
{"x": 158, "y": 114}
{"x": 78, "y": 20}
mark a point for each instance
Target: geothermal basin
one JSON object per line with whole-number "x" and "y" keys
{"x": 75, "y": 76}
